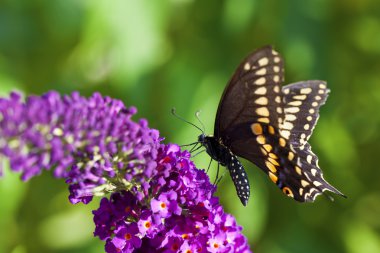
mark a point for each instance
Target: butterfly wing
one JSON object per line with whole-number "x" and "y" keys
{"x": 302, "y": 101}
{"x": 252, "y": 102}
{"x": 251, "y": 121}
{"x": 253, "y": 93}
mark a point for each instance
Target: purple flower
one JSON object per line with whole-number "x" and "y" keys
{"x": 178, "y": 213}
{"x": 159, "y": 201}
{"x": 126, "y": 239}
{"x": 92, "y": 143}
{"x": 166, "y": 204}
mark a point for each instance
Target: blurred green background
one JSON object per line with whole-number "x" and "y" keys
{"x": 180, "y": 53}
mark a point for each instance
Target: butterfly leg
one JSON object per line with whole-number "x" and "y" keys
{"x": 195, "y": 148}
{"x": 190, "y": 144}
{"x": 220, "y": 178}
{"x": 217, "y": 174}
{"x": 209, "y": 165}
{"x": 197, "y": 153}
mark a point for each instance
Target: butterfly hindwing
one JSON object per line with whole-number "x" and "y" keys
{"x": 302, "y": 101}
{"x": 311, "y": 178}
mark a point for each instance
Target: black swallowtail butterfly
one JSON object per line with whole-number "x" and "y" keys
{"x": 269, "y": 125}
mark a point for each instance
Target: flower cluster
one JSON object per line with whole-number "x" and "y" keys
{"x": 159, "y": 201}
{"x": 179, "y": 214}
{"x": 95, "y": 138}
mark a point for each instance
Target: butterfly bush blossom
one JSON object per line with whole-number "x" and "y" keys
{"x": 158, "y": 201}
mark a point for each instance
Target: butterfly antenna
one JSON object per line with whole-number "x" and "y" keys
{"x": 188, "y": 122}
{"x": 200, "y": 121}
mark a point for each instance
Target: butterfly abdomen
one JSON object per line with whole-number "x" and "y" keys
{"x": 240, "y": 179}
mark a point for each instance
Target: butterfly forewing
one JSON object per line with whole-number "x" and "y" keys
{"x": 253, "y": 94}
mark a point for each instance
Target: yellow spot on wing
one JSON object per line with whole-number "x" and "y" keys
{"x": 270, "y": 166}
{"x": 271, "y": 155}
{"x": 304, "y": 183}
{"x": 273, "y": 177}
{"x": 273, "y": 161}
{"x": 288, "y": 192}
{"x": 247, "y": 66}
{"x": 282, "y": 142}
{"x": 263, "y": 120}
{"x": 267, "y": 147}
{"x": 271, "y": 130}
{"x": 298, "y": 170}
{"x": 290, "y": 155}
{"x": 260, "y": 139}
{"x": 256, "y": 129}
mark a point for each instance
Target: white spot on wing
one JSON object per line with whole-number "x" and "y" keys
{"x": 292, "y": 110}
{"x": 295, "y": 103}
{"x": 305, "y": 90}
{"x": 260, "y": 81}
{"x": 290, "y": 117}
{"x": 261, "y": 71}
{"x": 261, "y": 101}
{"x": 261, "y": 91}
{"x": 263, "y": 61}
{"x": 262, "y": 111}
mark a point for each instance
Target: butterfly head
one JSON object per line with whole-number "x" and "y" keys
{"x": 201, "y": 138}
